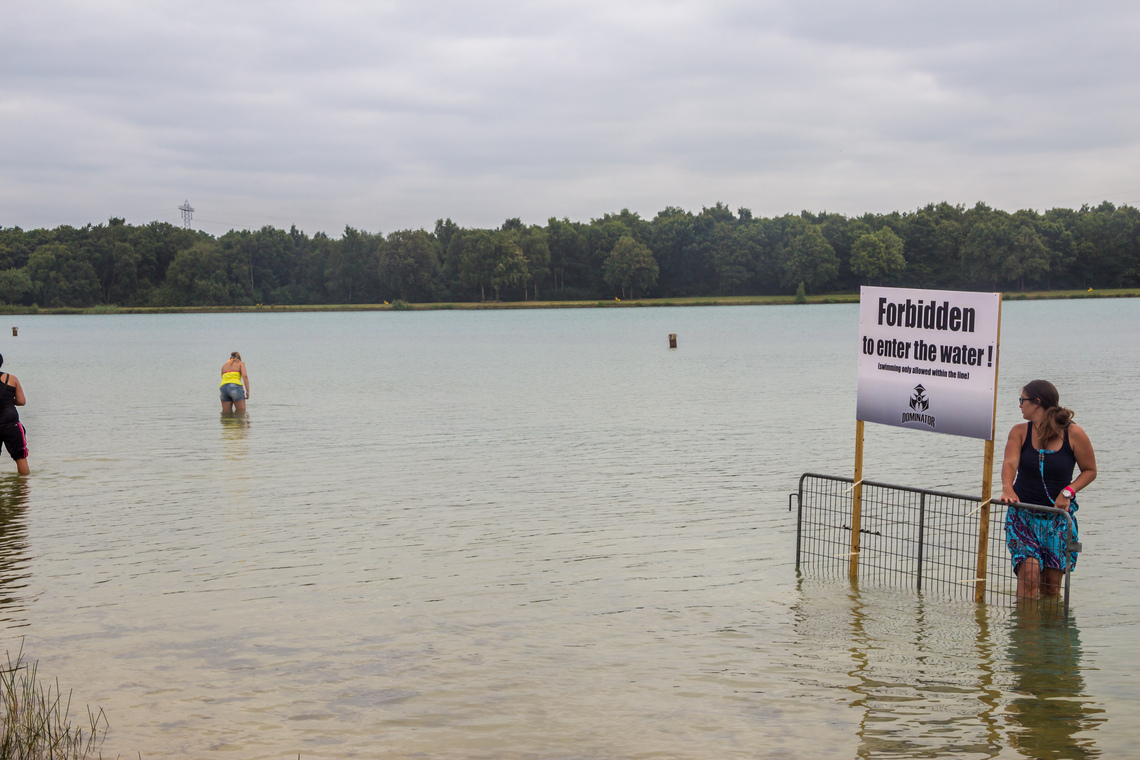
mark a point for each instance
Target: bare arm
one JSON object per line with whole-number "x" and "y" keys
{"x": 1010, "y": 461}
{"x": 245, "y": 379}
{"x": 20, "y": 400}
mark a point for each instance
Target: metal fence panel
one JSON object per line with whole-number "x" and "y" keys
{"x": 912, "y": 538}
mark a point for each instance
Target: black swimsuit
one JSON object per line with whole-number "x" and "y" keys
{"x": 8, "y": 413}
{"x": 1042, "y": 473}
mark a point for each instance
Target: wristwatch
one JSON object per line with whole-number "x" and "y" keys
{"x": 1069, "y": 493}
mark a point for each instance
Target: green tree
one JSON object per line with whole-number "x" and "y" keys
{"x": 932, "y": 238}
{"x": 762, "y": 239}
{"x": 535, "y": 250}
{"x": 475, "y": 251}
{"x": 732, "y": 254}
{"x": 684, "y": 270}
{"x": 61, "y": 276}
{"x": 509, "y": 269}
{"x": 198, "y": 277}
{"x": 1107, "y": 244}
{"x": 452, "y": 270}
{"x": 491, "y": 258}
{"x": 714, "y": 251}
{"x": 807, "y": 257}
{"x": 631, "y": 266}
{"x": 445, "y": 230}
{"x": 15, "y": 285}
{"x": 264, "y": 263}
{"x": 14, "y": 248}
{"x": 841, "y": 234}
{"x": 1003, "y": 249}
{"x": 1056, "y": 234}
{"x": 1029, "y": 258}
{"x": 876, "y": 257}
{"x": 409, "y": 265}
{"x": 114, "y": 259}
{"x": 602, "y": 235}
{"x": 714, "y": 258}
{"x": 352, "y": 267}
{"x": 569, "y": 253}
{"x": 296, "y": 278}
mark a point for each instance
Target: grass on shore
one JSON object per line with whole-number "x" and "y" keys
{"x": 594, "y": 304}
{"x": 34, "y": 720}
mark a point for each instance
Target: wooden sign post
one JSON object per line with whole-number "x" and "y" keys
{"x": 987, "y": 484}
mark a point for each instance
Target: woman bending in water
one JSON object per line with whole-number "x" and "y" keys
{"x": 235, "y": 384}
{"x": 1042, "y": 453}
{"x": 11, "y": 429}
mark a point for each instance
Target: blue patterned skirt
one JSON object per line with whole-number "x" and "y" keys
{"x": 1039, "y": 534}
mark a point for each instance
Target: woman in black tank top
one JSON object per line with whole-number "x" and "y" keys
{"x": 12, "y": 432}
{"x": 1040, "y": 456}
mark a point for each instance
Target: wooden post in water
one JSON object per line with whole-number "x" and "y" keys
{"x": 14, "y": 329}
{"x": 856, "y": 502}
{"x": 987, "y": 484}
{"x": 984, "y": 524}
{"x": 672, "y": 340}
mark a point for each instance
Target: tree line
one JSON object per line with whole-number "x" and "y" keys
{"x": 676, "y": 253}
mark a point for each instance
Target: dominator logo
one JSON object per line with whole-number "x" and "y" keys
{"x": 919, "y": 403}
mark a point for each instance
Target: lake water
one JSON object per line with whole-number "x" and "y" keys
{"x": 534, "y": 534}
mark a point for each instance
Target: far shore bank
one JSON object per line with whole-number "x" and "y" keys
{"x": 827, "y": 298}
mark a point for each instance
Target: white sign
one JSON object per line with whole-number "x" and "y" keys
{"x": 928, "y": 359}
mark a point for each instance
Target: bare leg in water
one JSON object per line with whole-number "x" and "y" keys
{"x": 1029, "y": 579}
{"x": 1032, "y": 582}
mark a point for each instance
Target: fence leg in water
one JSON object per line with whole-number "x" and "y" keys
{"x": 1069, "y": 544}
{"x": 857, "y": 502}
{"x": 921, "y": 530}
{"x": 672, "y": 340}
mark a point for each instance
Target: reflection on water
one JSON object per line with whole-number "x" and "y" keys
{"x": 923, "y": 703}
{"x": 235, "y": 429}
{"x": 989, "y": 692}
{"x": 1050, "y": 715}
{"x": 932, "y": 679}
{"x": 13, "y": 550}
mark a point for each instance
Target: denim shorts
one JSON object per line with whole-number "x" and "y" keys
{"x": 232, "y": 392}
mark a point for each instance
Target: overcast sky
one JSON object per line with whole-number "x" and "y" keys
{"x": 388, "y": 115}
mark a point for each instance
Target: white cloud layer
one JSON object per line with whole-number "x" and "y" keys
{"x": 386, "y": 115}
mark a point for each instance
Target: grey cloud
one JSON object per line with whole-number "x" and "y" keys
{"x": 391, "y": 114}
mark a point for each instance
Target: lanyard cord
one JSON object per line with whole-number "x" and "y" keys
{"x": 1041, "y": 464}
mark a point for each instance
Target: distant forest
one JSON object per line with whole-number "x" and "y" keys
{"x": 677, "y": 253}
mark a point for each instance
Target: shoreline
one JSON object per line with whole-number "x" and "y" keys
{"x": 828, "y": 298}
